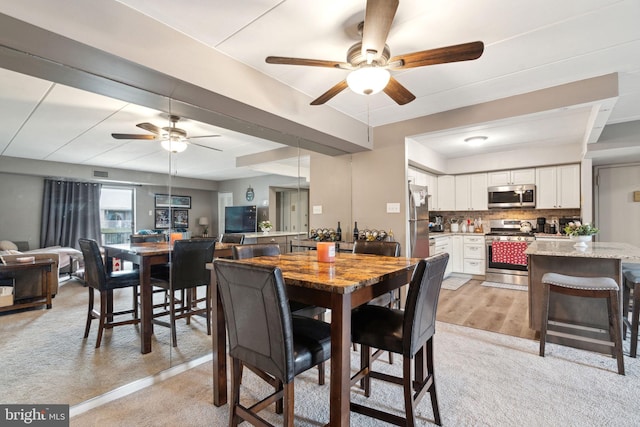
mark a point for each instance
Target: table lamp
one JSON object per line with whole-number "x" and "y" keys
{"x": 204, "y": 222}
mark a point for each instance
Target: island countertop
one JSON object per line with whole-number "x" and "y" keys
{"x": 611, "y": 250}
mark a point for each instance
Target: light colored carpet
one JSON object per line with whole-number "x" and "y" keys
{"x": 483, "y": 379}
{"x": 46, "y": 360}
{"x": 455, "y": 281}
{"x": 505, "y": 286}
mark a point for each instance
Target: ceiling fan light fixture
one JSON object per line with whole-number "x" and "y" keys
{"x": 368, "y": 80}
{"x": 475, "y": 141}
{"x": 174, "y": 145}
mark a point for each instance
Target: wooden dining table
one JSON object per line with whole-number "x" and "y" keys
{"x": 145, "y": 255}
{"x": 350, "y": 281}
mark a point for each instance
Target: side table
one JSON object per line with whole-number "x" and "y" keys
{"x": 44, "y": 265}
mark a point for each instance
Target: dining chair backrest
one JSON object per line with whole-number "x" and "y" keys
{"x": 376, "y": 248}
{"x": 257, "y": 313}
{"x": 422, "y": 302}
{"x": 232, "y": 238}
{"x": 258, "y": 249}
{"x": 189, "y": 262}
{"x": 95, "y": 274}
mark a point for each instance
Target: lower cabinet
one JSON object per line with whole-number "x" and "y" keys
{"x": 444, "y": 245}
{"x": 457, "y": 256}
{"x": 474, "y": 255}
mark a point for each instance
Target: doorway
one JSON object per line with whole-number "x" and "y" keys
{"x": 616, "y": 211}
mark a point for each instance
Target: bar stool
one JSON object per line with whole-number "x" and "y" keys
{"x": 631, "y": 283}
{"x": 588, "y": 287}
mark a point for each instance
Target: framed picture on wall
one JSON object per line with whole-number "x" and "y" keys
{"x": 180, "y": 218}
{"x": 166, "y": 201}
{"x": 162, "y": 218}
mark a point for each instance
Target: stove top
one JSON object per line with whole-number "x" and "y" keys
{"x": 508, "y": 229}
{"x": 508, "y": 233}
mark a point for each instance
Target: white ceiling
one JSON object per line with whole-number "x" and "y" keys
{"x": 528, "y": 46}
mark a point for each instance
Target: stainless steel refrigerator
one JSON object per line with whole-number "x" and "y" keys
{"x": 418, "y": 221}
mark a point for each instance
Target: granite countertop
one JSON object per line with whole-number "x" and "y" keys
{"x": 551, "y": 236}
{"x": 436, "y": 234}
{"x": 274, "y": 234}
{"x": 613, "y": 250}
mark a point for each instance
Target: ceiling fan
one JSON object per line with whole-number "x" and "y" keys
{"x": 370, "y": 59}
{"x": 171, "y": 138}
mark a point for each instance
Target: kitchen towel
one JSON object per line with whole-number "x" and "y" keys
{"x": 509, "y": 252}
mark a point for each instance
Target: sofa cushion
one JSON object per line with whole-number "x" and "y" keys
{"x": 8, "y": 245}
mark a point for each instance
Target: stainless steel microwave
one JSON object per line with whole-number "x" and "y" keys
{"x": 512, "y": 196}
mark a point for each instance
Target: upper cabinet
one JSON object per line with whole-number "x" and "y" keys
{"x": 446, "y": 196}
{"x": 558, "y": 187}
{"x": 471, "y": 192}
{"x": 511, "y": 177}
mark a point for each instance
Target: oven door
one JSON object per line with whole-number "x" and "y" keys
{"x": 505, "y": 272}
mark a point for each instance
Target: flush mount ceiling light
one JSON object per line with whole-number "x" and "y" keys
{"x": 368, "y": 80}
{"x": 474, "y": 141}
{"x": 174, "y": 145}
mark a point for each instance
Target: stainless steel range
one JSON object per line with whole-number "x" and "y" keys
{"x": 506, "y": 243}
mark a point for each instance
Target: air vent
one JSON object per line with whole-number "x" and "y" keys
{"x": 101, "y": 174}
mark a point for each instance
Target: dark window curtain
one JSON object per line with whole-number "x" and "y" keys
{"x": 70, "y": 210}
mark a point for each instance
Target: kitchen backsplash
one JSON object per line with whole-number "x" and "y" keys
{"x": 522, "y": 214}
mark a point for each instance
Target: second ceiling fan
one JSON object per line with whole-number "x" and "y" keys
{"x": 370, "y": 59}
{"x": 172, "y": 138}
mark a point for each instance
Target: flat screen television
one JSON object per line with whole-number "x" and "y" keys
{"x": 240, "y": 219}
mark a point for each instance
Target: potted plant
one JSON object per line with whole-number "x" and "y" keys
{"x": 265, "y": 226}
{"x": 579, "y": 232}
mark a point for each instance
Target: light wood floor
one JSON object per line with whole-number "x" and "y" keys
{"x": 492, "y": 309}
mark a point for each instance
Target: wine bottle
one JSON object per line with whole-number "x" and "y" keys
{"x": 339, "y": 233}
{"x": 356, "y": 232}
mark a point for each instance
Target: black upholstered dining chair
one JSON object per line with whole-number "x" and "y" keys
{"x": 408, "y": 332}
{"x": 97, "y": 278}
{"x": 232, "y": 238}
{"x": 297, "y": 308}
{"x": 266, "y": 338}
{"x": 391, "y": 298}
{"x": 188, "y": 271}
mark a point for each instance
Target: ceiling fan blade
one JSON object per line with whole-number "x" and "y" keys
{"x": 330, "y": 93}
{"x": 442, "y": 55}
{"x": 398, "y": 93}
{"x": 150, "y": 127}
{"x": 377, "y": 23}
{"x": 204, "y": 136}
{"x": 132, "y": 136}
{"x": 308, "y": 62}
{"x": 203, "y": 146}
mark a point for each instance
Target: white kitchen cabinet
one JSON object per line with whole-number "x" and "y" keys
{"x": 444, "y": 245}
{"x": 558, "y": 187}
{"x": 471, "y": 192}
{"x": 432, "y": 190}
{"x": 473, "y": 255}
{"x": 511, "y": 177}
{"x": 446, "y": 198}
{"x": 457, "y": 254}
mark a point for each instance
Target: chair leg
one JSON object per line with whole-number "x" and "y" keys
{"x": 635, "y": 317}
{"x": 545, "y": 318}
{"x": 365, "y": 362}
{"x": 89, "y": 312}
{"x": 626, "y": 292}
{"x": 135, "y": 303}
{"x": 209, "y": 309}
{"x": 288, "y": 404}
{"x": 616, "y": 328}
{"x": 236, "y": 376}
{"x": 172, "y": 319}
{"x": 431, "y": 373}
{"x": 104, "y": 314}
{"x": 408, "y": 392}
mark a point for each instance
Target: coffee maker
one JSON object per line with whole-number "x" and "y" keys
{"x": 540, "y": 225}
{"x": 436, "y": 223}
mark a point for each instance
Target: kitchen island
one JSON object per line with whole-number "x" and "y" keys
{"x": 597, "y": 259}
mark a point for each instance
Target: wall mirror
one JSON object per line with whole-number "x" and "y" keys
{"x": 52, "y": 340}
